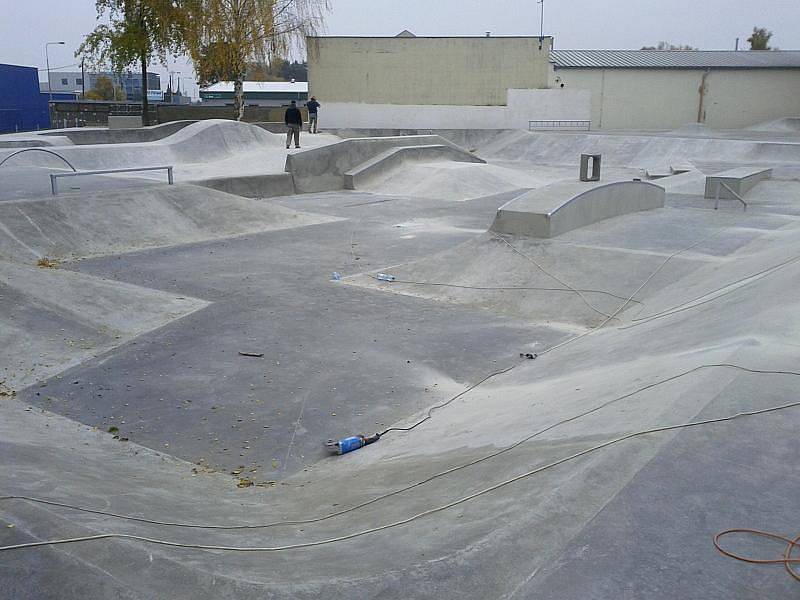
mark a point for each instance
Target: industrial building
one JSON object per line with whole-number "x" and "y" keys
{"x": 509, "y": 82}
{"x": 256, "y": 93}
{"x": 468, "y": 71}
{"x": 663, "y": 89}
{"x": 22, "y": 107}
{"x": 77, "y": 82}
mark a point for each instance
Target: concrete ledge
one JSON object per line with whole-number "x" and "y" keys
{"x": 252, "y": 186}
{"x": 740, "y": 180}
{"x": 322, "y": 169}
{"x": 550, "y": 211}
{"x": 394, "y": 157}
{"x": 124, "y": 122}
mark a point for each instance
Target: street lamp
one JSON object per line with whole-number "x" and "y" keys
{"x": 47, "y": 58}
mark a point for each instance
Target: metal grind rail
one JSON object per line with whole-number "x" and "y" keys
{"x": 54, "y": 176}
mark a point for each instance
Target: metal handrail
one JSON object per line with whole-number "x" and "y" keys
{"x": 2, "y": 162}
{"x": 55, "y": 176}
{"x": 721, "y": 183}
{"x": 545, "y": 124}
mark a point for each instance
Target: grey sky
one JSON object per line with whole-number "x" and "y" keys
{"x": 707, "y": 24}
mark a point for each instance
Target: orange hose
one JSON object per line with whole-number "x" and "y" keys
{"x": 787, "y": 560}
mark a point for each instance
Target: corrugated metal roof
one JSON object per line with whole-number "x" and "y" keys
{"x": 675, "y": 59}
{"x": 260, "y": 86}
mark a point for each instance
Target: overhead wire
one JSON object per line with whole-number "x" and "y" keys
{"x": 400, "y": 522}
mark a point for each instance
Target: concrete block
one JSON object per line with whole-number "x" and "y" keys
{"x": 394, "y": 157}
{"x": 252, "y": 186}
{"x": 555, "y": 209}
{"x": 322, "y": 169}
{"x": 740, "y": 180}
{"x": 124, "y": 122}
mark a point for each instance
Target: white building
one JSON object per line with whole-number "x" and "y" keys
{"x": 408, "y": 82}
{"x": 256, "y": 93}
{"x": 665, "y": 89}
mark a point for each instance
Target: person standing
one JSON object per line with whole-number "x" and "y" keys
{"x": 313, "y": 108}
{"x": 294, "y": 122}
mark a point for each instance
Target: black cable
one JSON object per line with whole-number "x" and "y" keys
{"x": 453, "y": 399}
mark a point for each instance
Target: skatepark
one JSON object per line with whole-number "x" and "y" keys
{"x": 579, "y": 384}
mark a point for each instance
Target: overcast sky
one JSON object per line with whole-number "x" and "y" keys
{"x": 706, "y": 24}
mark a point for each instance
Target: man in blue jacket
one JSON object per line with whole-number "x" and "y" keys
{"x": 313, "y": 108}
{"x": 294, "y": 122}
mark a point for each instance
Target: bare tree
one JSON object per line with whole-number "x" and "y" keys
{"x": 223, "y": 37}
{"x": 668, "y": 46}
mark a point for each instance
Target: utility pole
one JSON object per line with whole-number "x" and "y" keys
{"x": 541, "y": 26}
{"x": 83, "y": 79}
{"x": 47, "y": 60}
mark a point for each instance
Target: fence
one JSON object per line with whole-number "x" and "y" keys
{"x": 96, "y": 113}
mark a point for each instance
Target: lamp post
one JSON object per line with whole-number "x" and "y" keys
{"x": 47, "y": 59}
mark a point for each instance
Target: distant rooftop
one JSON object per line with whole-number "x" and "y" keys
{"x": 676, "y": 59}
{"x": 259, "y": 86}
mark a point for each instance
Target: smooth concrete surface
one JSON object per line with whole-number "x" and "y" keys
{"x": 382, "y": 164}
{"x": 140, "y": 389}
{"x": 253, "y": 186}
{"x": 741, "y": 180}
{"x": 106, "y": 135}
{"x": 71, "y": 226}
{"x": 556, "y": 209}
{"x": 323, "y": 169}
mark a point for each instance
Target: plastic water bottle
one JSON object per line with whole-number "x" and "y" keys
{"x": 385, "y": 277}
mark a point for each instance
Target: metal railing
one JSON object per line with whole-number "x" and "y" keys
{"x": 54, "y": 176}
{"x": 721, "y": 184}
{"x": 56, "y": 154}
{"x": 565, "y": 124}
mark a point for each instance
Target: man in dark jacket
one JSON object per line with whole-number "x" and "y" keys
{"x": 294, "y": 122}
{"x": 313, "y": 108}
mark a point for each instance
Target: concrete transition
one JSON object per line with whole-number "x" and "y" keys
{"x": 382, "y": 164}
{"x": 556, "y": 209}
{"x": 173, "y": 358}
{"x": 325, "y": 168}
{"x": 73, "y": 226}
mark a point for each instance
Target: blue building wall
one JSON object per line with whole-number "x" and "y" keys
{"x": 22, "y": 106}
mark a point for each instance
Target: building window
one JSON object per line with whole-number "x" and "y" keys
{"x": 79, "y": 81}
{"x": 65, "y": 81}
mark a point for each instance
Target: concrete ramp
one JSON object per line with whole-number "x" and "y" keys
{"x": 199, "y": 142}
{"x": 104, "y": 135}
{"x": 636, "y": 151}
{"x": 790, "y": 124}
{"x": 63, "y": 318}
{"x": 384, "y": 163}
{"x": 323, "y": 169}
{"x": 556, "y": 209}
{"x": 82, "y": 225}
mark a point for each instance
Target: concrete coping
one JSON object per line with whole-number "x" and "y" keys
{"x": 555, "y": 209}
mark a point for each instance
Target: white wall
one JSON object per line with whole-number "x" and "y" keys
{"x": 522, "y": 106}
{"x": 468, "y": 71}
{"x": 670, "y": 98}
